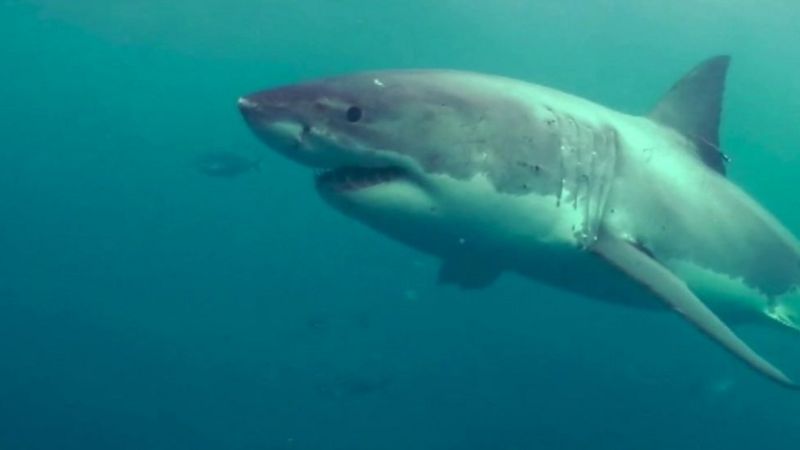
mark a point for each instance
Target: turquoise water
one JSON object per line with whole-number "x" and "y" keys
{"x": 146, "y": 306}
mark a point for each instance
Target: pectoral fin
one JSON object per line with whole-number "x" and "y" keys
{"x": 674, "y": 292}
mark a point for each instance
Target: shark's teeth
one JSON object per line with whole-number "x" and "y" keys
{"x": 352, "y": 178}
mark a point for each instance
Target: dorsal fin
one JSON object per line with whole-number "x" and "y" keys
{"x": 693, "y": 107}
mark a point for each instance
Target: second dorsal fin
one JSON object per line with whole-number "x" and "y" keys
{"x": 693, "y": 107}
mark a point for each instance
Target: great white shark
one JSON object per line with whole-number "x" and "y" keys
{"x": 494, "y": 175}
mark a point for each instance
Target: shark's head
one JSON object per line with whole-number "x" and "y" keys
{"x": 389, "y": 147}
{"x": 360, "y": 132}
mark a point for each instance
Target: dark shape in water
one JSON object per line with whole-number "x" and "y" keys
{"x": 353, "y": 386}
{"x": 226, "y": 164}
{"x": 318, "y": 322}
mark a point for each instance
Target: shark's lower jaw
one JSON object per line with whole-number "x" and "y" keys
{"x": 353, "y": 178}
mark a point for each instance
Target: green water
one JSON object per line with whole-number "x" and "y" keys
{"x": 146, "y": 306}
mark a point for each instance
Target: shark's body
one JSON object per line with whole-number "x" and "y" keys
{"x": 492, "y": 174}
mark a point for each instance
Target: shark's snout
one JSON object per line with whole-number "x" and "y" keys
{"x": 246, "y": 104}
{"x": 253, "y": 113}
{"x": 275, "y": 123}
{"x": 257, "y": 116}
{"x": 260, "y": 109}
{"x": 280, "y": 103}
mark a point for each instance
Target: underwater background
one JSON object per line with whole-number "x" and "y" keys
{"x": 144, "y": 305}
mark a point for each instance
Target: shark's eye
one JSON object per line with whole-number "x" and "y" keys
{"x": 354, "y": 114}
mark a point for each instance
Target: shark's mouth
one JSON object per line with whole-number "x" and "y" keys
{"x": 351, "y": 178}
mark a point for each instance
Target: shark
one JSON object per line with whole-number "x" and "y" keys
{"x": 495, "y": 175}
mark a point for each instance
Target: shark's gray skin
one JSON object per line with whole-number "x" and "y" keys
{"x": 492, "y": 174}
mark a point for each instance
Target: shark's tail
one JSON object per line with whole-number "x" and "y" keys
{"x": 786, "y": 310}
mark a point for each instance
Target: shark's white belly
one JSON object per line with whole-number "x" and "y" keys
{"x": 538, "y": 237}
